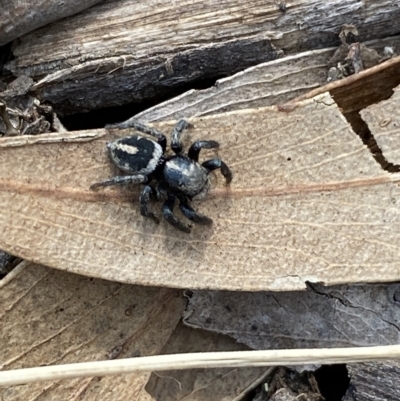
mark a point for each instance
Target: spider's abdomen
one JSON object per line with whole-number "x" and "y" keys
{"x": 135, "y": 154}
{"x": 185, "y": 175}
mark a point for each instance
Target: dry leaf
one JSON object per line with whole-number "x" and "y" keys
{"x": 308, "y": 202}
{"x": 54, "y": 317}
{"x": 202, "y": 384}
{"x": 383, "y": 120}
{"x": 321, "y": 317}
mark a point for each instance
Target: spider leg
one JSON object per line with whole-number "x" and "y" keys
{"x": 176, "y": 144}
{"x": 214, "y": 164}
{"x": 138, "y": 126}
{"x": 122, "y": 179}
{"x": 191, "y": 214}
{"x": 168, "y": 214}
{"x": 194, "y": 150}
{"x": 148, "y": 193}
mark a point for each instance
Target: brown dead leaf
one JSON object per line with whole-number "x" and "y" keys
{"x": 202, "y": 384}
{"x": 383, "y": 120}
{"x": 308, "y": 202}
{"x": 54, "y": 317}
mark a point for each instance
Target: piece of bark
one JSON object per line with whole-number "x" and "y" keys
{"x": 369, "y": 89}
{"x": 383, "y": 120}
{"x": 53, "y": 317}
{"x": 202, "y": 384}
{"x": 266, "y": 84}
{"x": 377, "y": 381}
{"x": 321, "y": 317}
{"x": 307, "y": 202}
{"x": 125, "y": 51}
{"x": 274, "y": 82}
{"x": 21, "y": 17}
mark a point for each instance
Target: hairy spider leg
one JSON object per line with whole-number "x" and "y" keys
{"x": 194, "y": 150}
{"x": 122, "y": 179}
{"x": 192, "y": 214}
{"x": 148, "y": 193}
{"x": 168, "y": 214}
{"x": 214, "y": 164}
{"x": 161, "y": 139}
{"x": 176, "y": 144}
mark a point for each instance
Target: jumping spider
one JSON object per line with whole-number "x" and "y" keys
{"x": 171, "y": 177}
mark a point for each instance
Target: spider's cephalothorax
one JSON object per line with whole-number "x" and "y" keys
{"x": 173, "y": 177}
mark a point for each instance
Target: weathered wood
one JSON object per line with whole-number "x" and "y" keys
{"x": 276, "y": 82}
{"x": 266, "y": 84}
{"x": 23, "y": 16}
{"x": 126, "y": 51}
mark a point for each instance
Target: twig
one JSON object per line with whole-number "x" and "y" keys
{"x": 200, "y": 360}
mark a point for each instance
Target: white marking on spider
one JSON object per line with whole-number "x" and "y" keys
{"x": 174, "y": 164}
{"x": 129, "y": 149}
{"x": 155, "y": 157}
